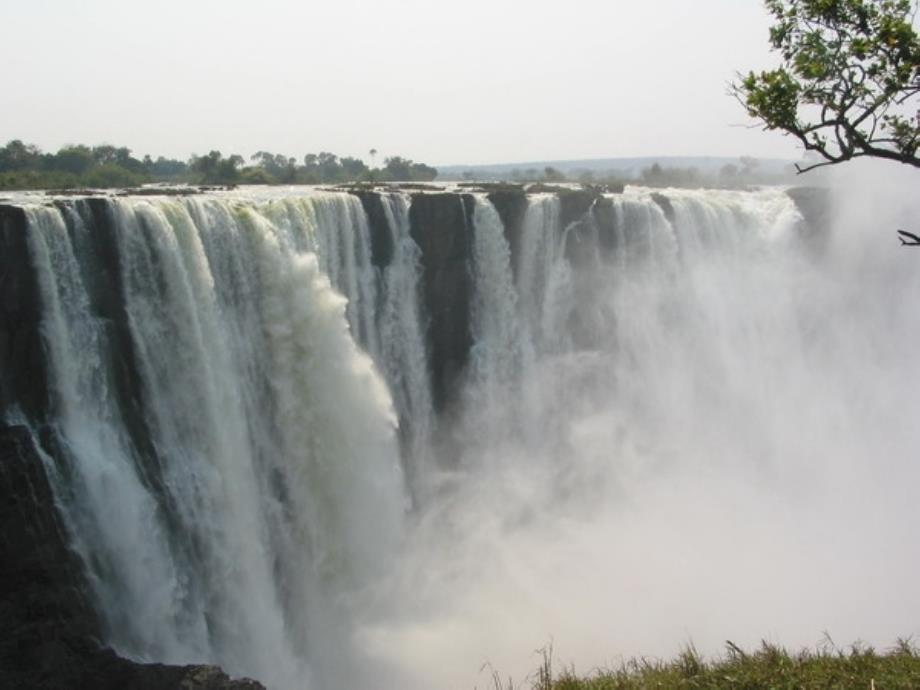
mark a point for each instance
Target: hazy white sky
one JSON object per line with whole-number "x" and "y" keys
{"x": 477, "y": 81}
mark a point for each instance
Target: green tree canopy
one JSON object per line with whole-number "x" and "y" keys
{"x": 19, "y": 156}
{"x": 25, "y": 166}
{"x": 849, "y": 80}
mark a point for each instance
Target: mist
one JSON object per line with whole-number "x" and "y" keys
{"x": 733, "y": 459}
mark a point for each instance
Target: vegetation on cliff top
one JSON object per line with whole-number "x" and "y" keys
{"x": 769, "y": 666}
{"x": 25, "y": 166}
{"x": 744, "y": 173}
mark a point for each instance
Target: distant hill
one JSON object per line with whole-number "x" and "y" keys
{"x": 623, "y": 167}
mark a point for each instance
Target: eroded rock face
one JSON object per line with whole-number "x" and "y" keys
{"x": 381, "y": 239}
{"x": 48, "y": 630}
{"x": 606, "y": 221}
{"x": 440, "y": 226}
{"x": 22, "y": 358}
{"x": 511, "y": 205}
{"x": 666, "y": 206}
{"x": 574, "y": 204}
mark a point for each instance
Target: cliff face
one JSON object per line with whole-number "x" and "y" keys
{"x": 49, "y": 634}
{"x": 440, "y": 227}
{"x": 511, "y": 205}
{"x": 22, "y": 360}
{"x": 381, "y": 239}
{"x": 48, "y": 631}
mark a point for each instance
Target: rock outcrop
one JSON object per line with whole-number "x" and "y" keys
{"x": 440, "y": 226}
{"x": 381, "y": 240}
{"x": 511, "y": 205}
{"x": 22, "y": 360}
{"x": 48, "y": 631}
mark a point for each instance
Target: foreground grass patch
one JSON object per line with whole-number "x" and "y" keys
{"x": 769, "y": 666}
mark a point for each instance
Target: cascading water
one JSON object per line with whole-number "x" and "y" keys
{"x": 400, "y": 329}
{"x": 272, "y": 487}
{"x": 668, "y": 406}
{"x": 498, "y": 341}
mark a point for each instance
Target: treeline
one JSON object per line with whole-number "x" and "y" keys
{"x": 745, "y": 173}
{"x": 25, "y": 166}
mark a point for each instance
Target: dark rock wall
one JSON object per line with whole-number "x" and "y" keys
{"x": 45, "y": 623}
{"x": 48, "y": 631}
{"x": 605, "y": 221}
{"x": 381, "y": 238}
{"x": 574, "y": 204}
{"x": 665, "y": 204}
{"x": 22, "y": 357}
{"x": 511, "y": 205}
{"x": 440, "y": 227}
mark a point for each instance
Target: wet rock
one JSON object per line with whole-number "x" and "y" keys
{"x": 605, "y": 220}
{"x": 574, "y": 204}
{"x": 48, "y": 631}
{"x": 381, "y": 239}
{"x": 440, "y": 225}
{"x": 511, "y": 204}
{"x": 22, "y": 357}
{"x": 665, "y": 204}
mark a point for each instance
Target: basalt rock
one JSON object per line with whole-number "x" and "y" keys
{"x": 49, "y": 634}
{"x": 605, "y": 220}
{"x": 574, "y": 204}
{"x": 22, "y": 356}
{"x": 439, "y": 224}
{"x": 381, "y": 239}
{"x": 511, "y": 205}
{"x": 665, "y": 204}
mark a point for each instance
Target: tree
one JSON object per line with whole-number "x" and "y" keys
{"x": 165, "y": 168}
{"x": 73, "y": 159}
{"x": 354, "y": 168}
{"x": 551, "y": 174}
{"x": 397, "y": 169}
{"x": 214, "y": 168}
{"x": 849, "y": 81}
{"x": 328, "y": 165}
{"x": 373, "y": 171}
{"x": 19, "y": 156}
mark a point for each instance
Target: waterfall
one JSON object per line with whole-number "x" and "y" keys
{"x": 496, "y": 333}
{"x": 666, "y": 406}
{"x": 261, "y": 502}
{"x": 114, "y": 518}
{"x": 402, "y": 355}
{"x": 543, "y": 276}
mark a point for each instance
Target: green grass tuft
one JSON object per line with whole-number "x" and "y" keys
{"x": 772, "y": 667}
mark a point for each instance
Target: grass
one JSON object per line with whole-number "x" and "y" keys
{"x": 768, "y": 667}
